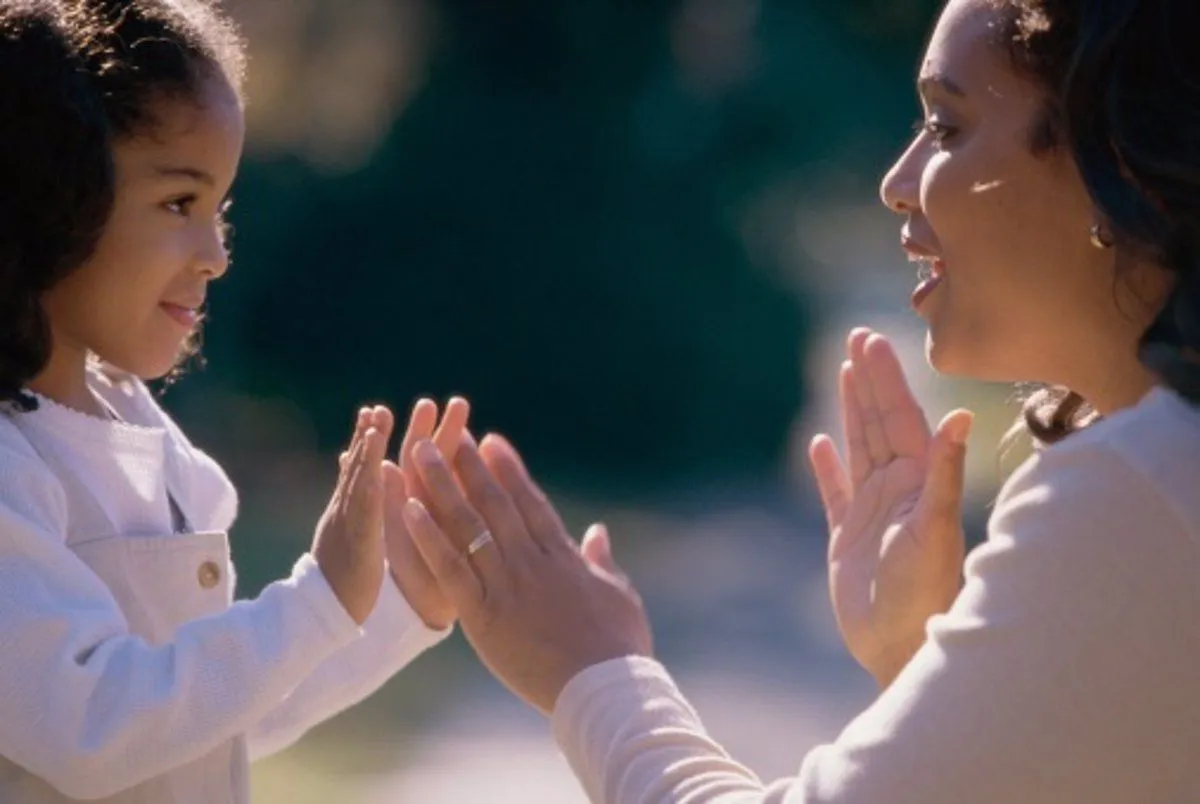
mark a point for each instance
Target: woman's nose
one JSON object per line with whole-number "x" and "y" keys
{"x": 900, "y": 189}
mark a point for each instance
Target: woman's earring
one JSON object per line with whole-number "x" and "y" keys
{"x": 1099, "y": 239}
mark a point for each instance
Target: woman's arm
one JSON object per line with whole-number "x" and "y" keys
{"x": 1064, "y": 672}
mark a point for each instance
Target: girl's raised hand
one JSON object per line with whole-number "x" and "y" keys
{"x": 348, "y": 544}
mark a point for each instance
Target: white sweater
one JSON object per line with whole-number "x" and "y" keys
{"x": 126, "y": 670}
{"x": 1066, "y": 672}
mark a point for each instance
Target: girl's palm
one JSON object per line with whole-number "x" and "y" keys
{"x": 896, "y": 541}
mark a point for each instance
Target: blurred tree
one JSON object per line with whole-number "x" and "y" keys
{"x": 552, "y": 226}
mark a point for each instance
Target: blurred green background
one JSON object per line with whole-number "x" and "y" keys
{"x": 633, "y": 233}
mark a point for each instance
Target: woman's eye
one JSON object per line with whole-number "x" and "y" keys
{"x": 939, "y": 132}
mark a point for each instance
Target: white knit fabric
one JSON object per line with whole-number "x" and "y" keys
{"x": 1065, "y": 673}
{"x": 127, "y": 672}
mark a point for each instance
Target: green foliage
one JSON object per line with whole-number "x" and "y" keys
{"x": 554, "y": 227}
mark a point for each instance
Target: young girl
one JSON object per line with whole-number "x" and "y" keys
{"x": 127, "y": 673}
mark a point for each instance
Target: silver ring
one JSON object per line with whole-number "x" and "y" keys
{"x": 480, "y": 541}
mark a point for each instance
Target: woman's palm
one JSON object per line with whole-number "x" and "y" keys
{"x": 896, "y": 546}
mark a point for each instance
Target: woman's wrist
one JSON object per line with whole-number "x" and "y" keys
{"x": 889, "y": 664}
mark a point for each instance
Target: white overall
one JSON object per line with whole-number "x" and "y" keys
{"x": 160, "y": 581}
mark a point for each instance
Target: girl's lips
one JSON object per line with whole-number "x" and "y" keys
{"x": 185, "y": 316}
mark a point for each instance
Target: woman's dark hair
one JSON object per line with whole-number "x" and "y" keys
{"x": 1123, "y": 85}
{"x": 77, "y": 76}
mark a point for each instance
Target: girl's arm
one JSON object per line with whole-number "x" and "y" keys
{"x": 393, "y": 636}
{"x": 93, "y": 709}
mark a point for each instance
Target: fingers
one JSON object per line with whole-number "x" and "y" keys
{"x": 832, "y": 482}
{"x": 421, "y": 422}
{"x": 487, "y": 496}
{"x": 364, "y": 481}
{"x": 421, "y": 425}
{"x": 366, "y": 487}
{"x": 360, "y": 425}
{"x": 852, "y": 425}
{"x": 383, "y": 421}
{"x": 596, "y": 548}
{"x": 395, "y": 492}
{"x": 447, "y": 562}
{"x": 941, "y": 499}
{"x": 542, "y": 521}
{"x": 869, "y": 413}
{"x": 450, "y": 509}
{"x": 904, "y": 426}
{"x": 350, "y": 462}
{"x": 454, "y": 423}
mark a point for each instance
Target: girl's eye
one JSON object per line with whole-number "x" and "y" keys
{"x": 181, "y": 206}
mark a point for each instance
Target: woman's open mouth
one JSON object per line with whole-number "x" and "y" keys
{"x": 929, "y": 276}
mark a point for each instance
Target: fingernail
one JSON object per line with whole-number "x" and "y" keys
{"x": 960, "y": 429}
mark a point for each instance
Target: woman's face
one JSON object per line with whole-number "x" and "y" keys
{"x": 1020, "y": 292}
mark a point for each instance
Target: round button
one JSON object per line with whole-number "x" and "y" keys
{"x": 209, "y": 574}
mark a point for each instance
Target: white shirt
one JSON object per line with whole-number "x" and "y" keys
{"x": 127, "y": 671}
{"x": 1066, "y": 672}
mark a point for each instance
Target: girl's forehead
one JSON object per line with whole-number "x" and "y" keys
{"x": 201, "y": 135}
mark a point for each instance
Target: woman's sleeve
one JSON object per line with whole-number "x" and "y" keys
{"x": 1064, "y": 672}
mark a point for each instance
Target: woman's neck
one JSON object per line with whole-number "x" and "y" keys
{"x": 1116, "y": 389}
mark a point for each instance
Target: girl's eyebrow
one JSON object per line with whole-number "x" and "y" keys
{"x": 170, "y": 171}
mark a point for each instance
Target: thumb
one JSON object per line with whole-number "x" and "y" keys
{"x": 941, "y": 499}
{"x": 597, "y": 550}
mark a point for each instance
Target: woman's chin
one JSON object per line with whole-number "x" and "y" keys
{"x": 936, "y": 354}
{"x": 948, "y": 357}
{"x": 943, "y": 358}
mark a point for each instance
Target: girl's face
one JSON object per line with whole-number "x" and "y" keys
{"x": 135, "y": 303}
{"x": 1021, "y": 294}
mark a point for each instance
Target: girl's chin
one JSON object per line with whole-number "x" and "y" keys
{"x": 150, "y": 367}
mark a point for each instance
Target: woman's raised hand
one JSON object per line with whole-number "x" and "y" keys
{"x": 401, "y": 481}
{"x": 537, "y": 608}
{"x": 894, "y": 509}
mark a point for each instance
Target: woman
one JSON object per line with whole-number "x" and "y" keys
{"x": 1053, "y": 196}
